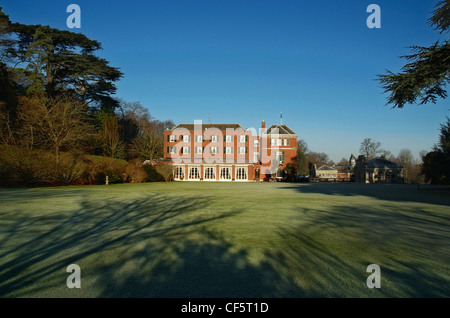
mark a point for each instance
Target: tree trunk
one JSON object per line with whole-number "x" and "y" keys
{"x": 57, "y": 155}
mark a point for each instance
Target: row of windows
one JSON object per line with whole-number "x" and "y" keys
{"x": 201, "y": 138}
{"x": 212, "y": 150}
{"x": 227, "y": 138}
{"x": 279, "y": 142}
{"x": 326, "y": 175}
{"x": 279, "y": 155}
{"x": 225, "y": 173}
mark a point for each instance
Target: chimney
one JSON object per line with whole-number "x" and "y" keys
{"x": 263, "y": 126}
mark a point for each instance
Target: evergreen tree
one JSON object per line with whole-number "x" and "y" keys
{"x": 436, "y": 164}
{"x": 62, "y": 61}
{"x": 427, "y": 72}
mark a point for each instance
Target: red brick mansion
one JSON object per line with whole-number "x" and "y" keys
{"x": 228, "y": 152}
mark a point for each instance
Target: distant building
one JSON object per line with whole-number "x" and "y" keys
{"x": 344, "y": 176}
{"x": 377, "y": 170}
{"x": 325, "y": 173}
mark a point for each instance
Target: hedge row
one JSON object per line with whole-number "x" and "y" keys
{"x": 24, "y": 167}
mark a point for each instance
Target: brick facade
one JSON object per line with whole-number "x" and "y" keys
{"x": 228, "y": 152}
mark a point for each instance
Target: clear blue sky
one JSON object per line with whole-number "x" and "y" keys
{"x": 246, "y": 61}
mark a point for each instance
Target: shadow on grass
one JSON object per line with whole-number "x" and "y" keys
{"x": 392, "y": 192}
{"x": 158, "y": 246}
{"x": 332, "y": 249}
{"x": 164, "y": 246}
{"x": 195, "y": 270}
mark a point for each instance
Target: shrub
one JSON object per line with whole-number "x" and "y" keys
{"x": 99, "y": 167}
{"x": 134, "y": 172}
{"x": 165, "y": 170}
{"x": 24, "y": 167}
{"x": 152, "y": 174}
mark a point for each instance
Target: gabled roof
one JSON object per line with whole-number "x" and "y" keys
{"x": 282, "y": 130}
{"x": 208, "y": 126}
{"x": 325, "y": 167}
{"x": 381, "y": 163}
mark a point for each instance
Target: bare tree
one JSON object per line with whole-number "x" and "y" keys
{"x": 147, "y": 145}
{"x": 144, "y": 134}
{"x": 371, "y": 149}
{"x": 112, "y": 144}
{"x": 136, "y": 112}
{"x": 318, "y": 158}
{"x": 406, "y": 159}
{"x": 54, "y": 122}
{"x": 343, "y": 165}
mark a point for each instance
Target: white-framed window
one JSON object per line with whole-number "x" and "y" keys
{"x": 225, "y": 173}
{"x": 255, "y": 157}
{"x": 199, "y": 138}
{"x": 214, "y": 138}
{"x": 243, "y": 150}
{"x": 243, "y": 138}
{"x": 256, "y": 143}
{"x": 172, "y": 138}
{"x": 285, "y": 142}
{"x": 172, "y": 150}
{"x": 178, "y": 172}
{"x": 228, "y": 138}
{"x": 241, "y": 173}
{"x": 228, "y": 150}
{"x": 279, "y": 155}
{"x": 214, "y": 150}
{"x": 198, "y": 150}
{"x": 279, "y": 142}
{"x": 194, "y": 173}
{"x": 273, "y": 142}
{"x": 210, "y": 173}
{"x": 186, "y": 138}
{"x": 185, "y": 150}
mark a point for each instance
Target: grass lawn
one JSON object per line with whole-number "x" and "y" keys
{"x": 200, "y": 239}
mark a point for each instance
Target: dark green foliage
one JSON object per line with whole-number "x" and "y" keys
{"x": 58, "y": 60}
{"x": 441, "y": 16}
{"x": 291, "y": 172}
{"x": 152, "y": 174}
{"x": 436, "y": 164}
{"x": 422, "y": 79}
{"x": 427, "y": 73}
{"x": 8, "y": 96}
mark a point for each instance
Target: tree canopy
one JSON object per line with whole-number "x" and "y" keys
{"x": 426, "y": 74}
{"x": 56, "y": 61}
{"x": 58, "y": 111}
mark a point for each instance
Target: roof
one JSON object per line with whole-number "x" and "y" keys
{"x": 381, "y": 163}
{"x": 208, "y": 126}
{"x": 325, "y": 167}
{"x": 282, "y": 130}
